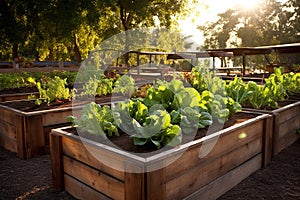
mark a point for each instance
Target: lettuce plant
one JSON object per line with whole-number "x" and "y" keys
{"x": 51, "y": 89}
{"x": 95, "y": 120}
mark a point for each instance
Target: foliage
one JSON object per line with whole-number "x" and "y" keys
{"x": 270, "y": 22}
{"x": 10, "y": 81}
{"x": 33, "y": 30}
{"x": 291, "y": 82}
{"x": 18, "y": 80}
{"x": 277, "y": 88}
{"x": 51, "y": 89}
{"x": 164, "y": 116}
{"x": 236, "y": 89}
{"x": 147, "y": 125}
{"x": 202, "y": 78}
{"x": 95, "y": 120}
{"x": 125, "y": 85}
{"x": 97, "y": 86}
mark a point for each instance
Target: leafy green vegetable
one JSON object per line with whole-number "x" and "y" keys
{"x": 96, "y": 120}
{"x": 51, "y": 89}
{"x": 204, "y": 79}
{"x": 166, "y": 113}
{"x": 125, "y": 85}
{"x": 236, "y": 89}
{"x": 158, "y": 130}
{"x": 291, "y": 83}
{"x": 97, "y": 86}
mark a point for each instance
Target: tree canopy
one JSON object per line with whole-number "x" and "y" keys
{"x": 269, "y": 23}
{"x": 69, "y": 29}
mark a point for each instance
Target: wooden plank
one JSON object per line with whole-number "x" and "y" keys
{"x": 279, "y": 146}
{"x": 226, "y": 182}
{"x": 77, "y": 150}
{"x": 82, "y": 191}
{"x": 8, "y": 129}
{"x": 47, "y": 131}
{"x": 285, "y": 141}
{"x": 276, "y": 140}
{"x": 156, "y": 184}
{"x": 191, "y": 157}
{"x": 56, "y": 154}
{"x": 288, "y": 112}
{"x": 38, "y": 69}
{"x": 268, "y": 141}
{"x": 57, "y": 117}
{"x": 6, "y": 115}
{"x": 8, "y": 143}
{"x": 21, "y": 144}
{"x": 289, "y": 126}
{"x": 34, "y": 136}
{"x": 17, "y": 96}
{"x": 200, "y": 175}
{"x": 96, "y": 179}
{"x": 135, "y": 186}
{"x": 291, "y": 138}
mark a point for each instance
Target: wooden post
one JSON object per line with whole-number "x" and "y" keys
{"x": 61, "y": 64}
{"x": 156, "y": 184}
{"x": 56, "y": 154}
{"x": 244, "y": 64}
{"x": 267, "y": 141}
{"x": 34, "y": 135}
{"x": 134, "y": 186}
{"x": 21, "y": 151}
{"x": 276, "y": 145}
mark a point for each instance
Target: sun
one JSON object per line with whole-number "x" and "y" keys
{"x": 249, "y": 4}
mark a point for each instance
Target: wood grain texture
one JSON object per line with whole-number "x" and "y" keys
{"x": 226, "y": 182}
{"x": 56, "y": 154}
{"x": 75, "y": 149}
{"x": 96, "y": 179}
{"x": 81, "y": 191}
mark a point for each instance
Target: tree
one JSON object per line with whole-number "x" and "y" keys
{"x": 69, "y": 29}
{"x": 289, "y": 25}
{"x": 243, "y": 27}
{"x": 14, "y": 25}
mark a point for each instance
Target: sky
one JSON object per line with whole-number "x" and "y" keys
{"x": 207, "y": 11}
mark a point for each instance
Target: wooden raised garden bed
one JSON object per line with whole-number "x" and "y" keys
{"x": 286, "y": 125}
{"x": 16, "y": 96}
{"x": 240, "y": 150}
{"x": 27, "y": 133}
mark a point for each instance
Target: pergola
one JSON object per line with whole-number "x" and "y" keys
{"x": 263, "y": 50}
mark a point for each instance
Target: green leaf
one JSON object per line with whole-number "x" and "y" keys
{"x": 140, "y": 141}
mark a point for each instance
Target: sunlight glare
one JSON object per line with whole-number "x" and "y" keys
{"x": 249, "y": 4}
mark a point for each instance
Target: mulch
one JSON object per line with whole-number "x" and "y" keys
{"x": 32, "y": 179}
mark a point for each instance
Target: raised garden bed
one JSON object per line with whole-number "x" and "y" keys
{"x": 241, "y": 149}
{"x": 25, "y": 127}
{"x": 27, "y": 132}
{"x": 286, "y": 125}
{"x": 16, "y": 96}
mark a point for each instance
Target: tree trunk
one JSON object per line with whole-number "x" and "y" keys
{"x": 76, "y": 49}
{"x": 125, "y": 19}
{"x": 15, "y": 51}
{"x": 50, "y": 57}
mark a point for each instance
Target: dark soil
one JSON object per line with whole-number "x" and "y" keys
{"x": 125, "y": 141}
{"x": 31, "y": 179}
{"x": 30, "y": 106}
{"x": 18, "y": 90}
{"x": 268, "y": 108}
